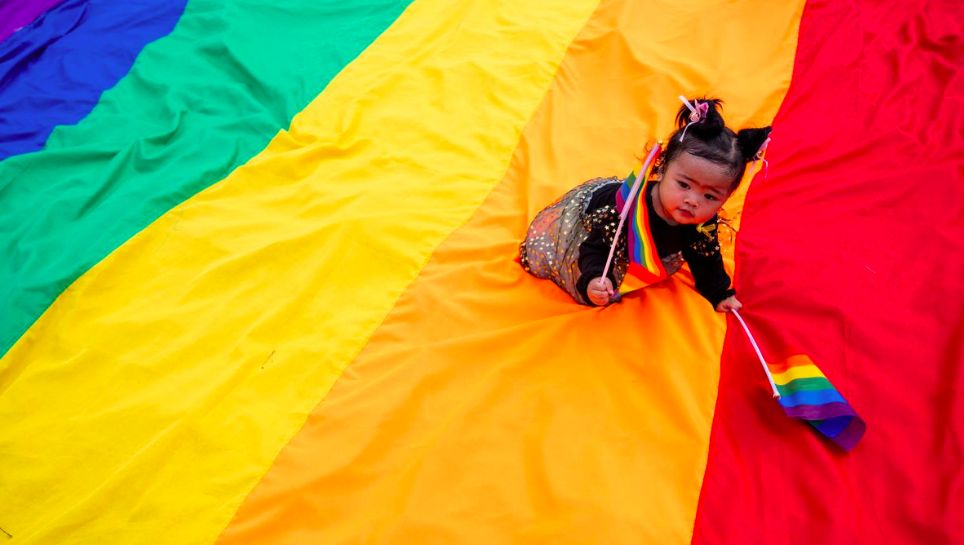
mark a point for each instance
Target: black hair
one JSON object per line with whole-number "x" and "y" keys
{"x": 712, "y": 140}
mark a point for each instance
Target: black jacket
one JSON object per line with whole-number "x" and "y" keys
{"x": 702, "y": 252}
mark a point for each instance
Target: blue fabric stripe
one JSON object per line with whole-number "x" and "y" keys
{"x": 832, "y": 426}
{"x": 818, "y": 397}
{"x": 54, "y": 70}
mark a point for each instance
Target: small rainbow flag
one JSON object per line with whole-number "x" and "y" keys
{"x": 645, "y": 265}
{"x": 805, "y": 393}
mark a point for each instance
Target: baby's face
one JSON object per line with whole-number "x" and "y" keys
{"x": 692, "y": 189}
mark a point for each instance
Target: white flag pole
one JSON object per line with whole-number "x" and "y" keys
{"x": 627, "y": 205}
{"x": 773, "y": 385}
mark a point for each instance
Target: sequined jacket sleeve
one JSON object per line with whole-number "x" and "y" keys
{"x": 594, "y": 251}
{"x": 706, "y": 264}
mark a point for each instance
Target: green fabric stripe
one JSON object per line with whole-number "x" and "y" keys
{"x": 196, "y": 105}
{"x": 804, "y": 385}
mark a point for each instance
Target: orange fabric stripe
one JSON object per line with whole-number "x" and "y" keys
{"x": 785, "y": 365}
{"x": 490, "y": 408}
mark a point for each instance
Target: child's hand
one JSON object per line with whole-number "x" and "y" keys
{"x": 600, "y": 291}
{"x": 728, "y": 304}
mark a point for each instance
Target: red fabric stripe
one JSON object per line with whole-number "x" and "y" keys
{"x": 853, "y": 252}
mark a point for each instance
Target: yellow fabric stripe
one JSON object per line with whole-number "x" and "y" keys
{"x": 156, "y": 391}
{"x": 793, "y": 373}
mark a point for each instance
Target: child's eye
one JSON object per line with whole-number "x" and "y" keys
{"x": 682, "y": 184}
{"x": 710, "y": 197}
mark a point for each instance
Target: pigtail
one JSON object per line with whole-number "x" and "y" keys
{"x": 712, "y": 123}
{"x": 750, "y": 142}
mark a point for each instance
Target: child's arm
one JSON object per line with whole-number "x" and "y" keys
{"x": 706, "y": 263}
{"x": 593, "y": 253}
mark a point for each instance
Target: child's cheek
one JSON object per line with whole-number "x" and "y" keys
{"x": 707, "y": 213}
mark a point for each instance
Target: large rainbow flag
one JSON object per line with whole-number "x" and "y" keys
{"x": 257, "y": 280}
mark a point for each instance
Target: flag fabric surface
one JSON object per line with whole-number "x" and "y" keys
{"x": 805, "y": 393}
{"x": 258, "y": 285}
{"x": 645, "y": 266}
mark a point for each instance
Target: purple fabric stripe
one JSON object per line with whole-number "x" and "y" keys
{"x": 844, "y": 435}
{"x": 820, "y": 412}
{"x": 14, "y": 15}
